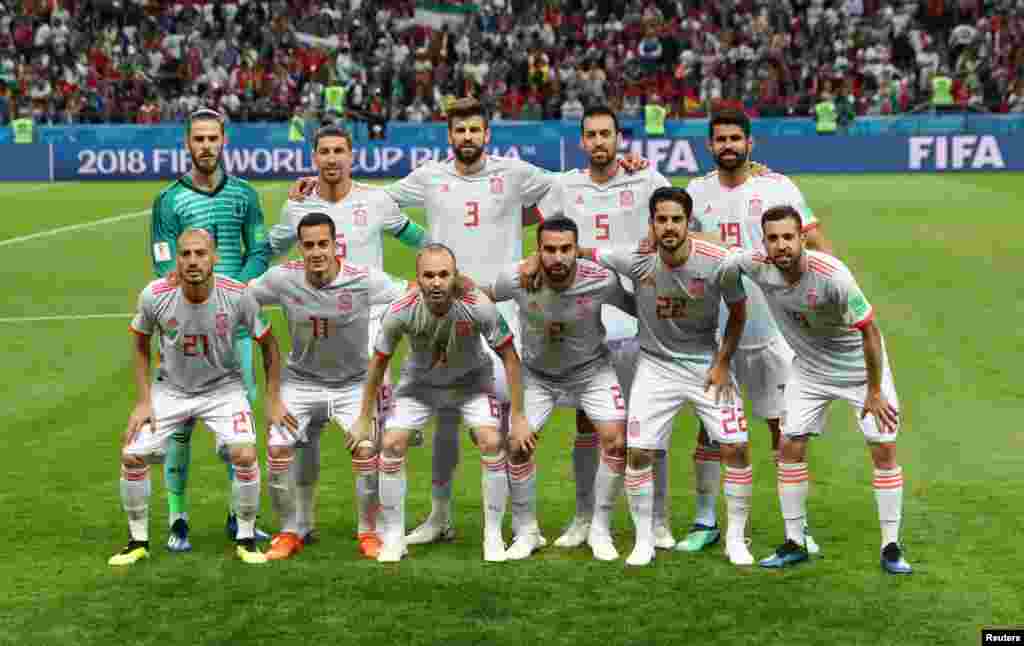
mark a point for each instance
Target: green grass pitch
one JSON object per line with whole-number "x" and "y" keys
{"x": 940, "y": 257}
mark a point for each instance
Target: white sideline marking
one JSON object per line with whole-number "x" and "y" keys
{"x": 89, "y": 225}
{"x": 20, "y": 190}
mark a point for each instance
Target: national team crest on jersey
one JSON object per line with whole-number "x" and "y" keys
{"x": 463, "y": 328}
{"x": 812, "y": 298}
{"x": 756, "y": 207}
{"x": 445, "y": 188}
{"x": 497, "y": 185}
{"x": 696, "y": 287}
{"x": 172, "y": 323}
{"x": 345, "y": 301}
{"x": 171, "y": 329}
{"x": 633, "y": 429}
{"x": 222, "y": 324}
{"x": 296, "y": 300}
{"x": 579, "y": 200}
{"x": 359, "y": 216}
{"x": 626, "y": 199}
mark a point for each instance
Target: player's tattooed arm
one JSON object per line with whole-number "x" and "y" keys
{"x": 277, "y": 413}
{"x": 142, "y": 413}
{"x": 362, "y": 428}
{"x": 816, "y": 241}
{"x": 875, "y": 404}
{"x": 303, "y": 188}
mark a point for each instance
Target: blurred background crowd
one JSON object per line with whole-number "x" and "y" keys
{"x": 150, "y": 61}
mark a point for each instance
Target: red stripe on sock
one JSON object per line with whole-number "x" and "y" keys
{"x": 586, "y": 441}
{"x": 135, "y": 475}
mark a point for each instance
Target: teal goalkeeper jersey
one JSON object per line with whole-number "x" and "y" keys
{"x": 231, "y": 212}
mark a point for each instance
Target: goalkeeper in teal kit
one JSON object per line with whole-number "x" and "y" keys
{"x": 229, "y": 209}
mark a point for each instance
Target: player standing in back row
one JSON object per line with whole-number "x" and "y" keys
{"x": 361, "y": 216}
{"x": 727, "y": 207}
{"x": 229, "y": 209}
{"x": 840, "y": 354}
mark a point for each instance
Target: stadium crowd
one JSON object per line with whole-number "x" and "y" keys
{"x": 148, "y": 61}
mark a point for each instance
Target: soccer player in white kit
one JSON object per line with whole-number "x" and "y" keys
{"x": 566, "y": 360}
{"x": 611, "y": 209}
{"x": 679, "y": 287}
{"x": 362, "y": 215}
{"x": 727, "y": 207}
{"x": 328, "y": 302}
{"x": 447, "y": 367}
{"x": 840, "y": 354}
{"x": 474, "y": 204}
{"x": 199, "y": 378}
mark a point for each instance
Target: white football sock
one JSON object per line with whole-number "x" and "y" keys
{"x": 607, "y": 487}
{"x": 135, "y": 490}
{"x": 494, "y": 470}
{"x": 661, "y": 512}
{"x": 584, "y": 466}
{"x": 888, "y": 485}
{"x": 739, "y": 488}
{"x": 707, "y": 469}
{"x": 367, "y": 493}
{"x": 522, "y": 490}
{"x": 794, "y": 485}
{"x": 245, "y": 492}
{"x": 640, "y": 493}
{"x": 282, "y": 491}
{"x": 306, "y": 473}
{"x": 391, "y": 519}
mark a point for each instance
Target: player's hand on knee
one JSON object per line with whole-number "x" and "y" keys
{"x": 278, "y": 415}
{"x": 360, "y": 435}
{"x": 141, "y": 414}
{"x": 521, "y": 438}
{"x": 887, "y": 418}
{"x": 633, "y": 162}
{"x": 172, "y": 279}
{"x": 719, "y": 381}
{"x": 302, "y": 188}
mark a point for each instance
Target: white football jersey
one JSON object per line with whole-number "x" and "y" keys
{"x": 615, "y": 213}
{"x": 734, "y": 214}
{"x": 360, "y": 220}
{"x": 480, "y": 216}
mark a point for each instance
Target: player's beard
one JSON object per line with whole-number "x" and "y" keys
{"x": 438, "y": 300}
{"x": 733, "y": 163}
{"x": 196, "y": 277}
{"x": 791, "y": 261}
{"x": 206, "y": 165}
{"x": 560, "y": 278}
{"x": 677, "y": 241}
{"x": 469, "y": 154}
{"x": 602, "y": 167}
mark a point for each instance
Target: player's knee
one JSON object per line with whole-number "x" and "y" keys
{"x": 736, "y": 455}
{"x": 364, "y": 452}
{"x": 702, "y": 436}
{"x": 613, "y": 439}
{"x": 793, "y": 449}
{"x": 583, "y": 424}
{"x": 639, "y": 458}
{"x": 133, "y": 461}
{"x": 883, "y": 455}
{"x": 395, "y": 443}
{"x": 243, "y": 455}
{"x": 488, "y": 440}
{"x": 281, "y": 452}
{"x": 520, "y": 456}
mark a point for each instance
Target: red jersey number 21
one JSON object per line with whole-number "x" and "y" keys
{"x": 472, "y": 218}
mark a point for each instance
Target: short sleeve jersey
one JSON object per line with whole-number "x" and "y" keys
{"x": 734, "y": 214}
{"x": 329, "y": 325}
{"x": 444, "y": 350}
{"x": 360, "y": 220}
{"x": 478, "y": 216}
{"x": 677, "y": 306}
{"x": 561, "y": 331}
{"x": 196, "y": 340}
{"x": 821, "y": 316}
{"x": 615, "y": 213}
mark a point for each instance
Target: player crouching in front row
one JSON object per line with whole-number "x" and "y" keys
{"x": 447, "y": 368}
{"x": 199, "y": 378}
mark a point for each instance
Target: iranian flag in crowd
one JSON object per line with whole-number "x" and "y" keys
{"x": 437, "y": 14}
